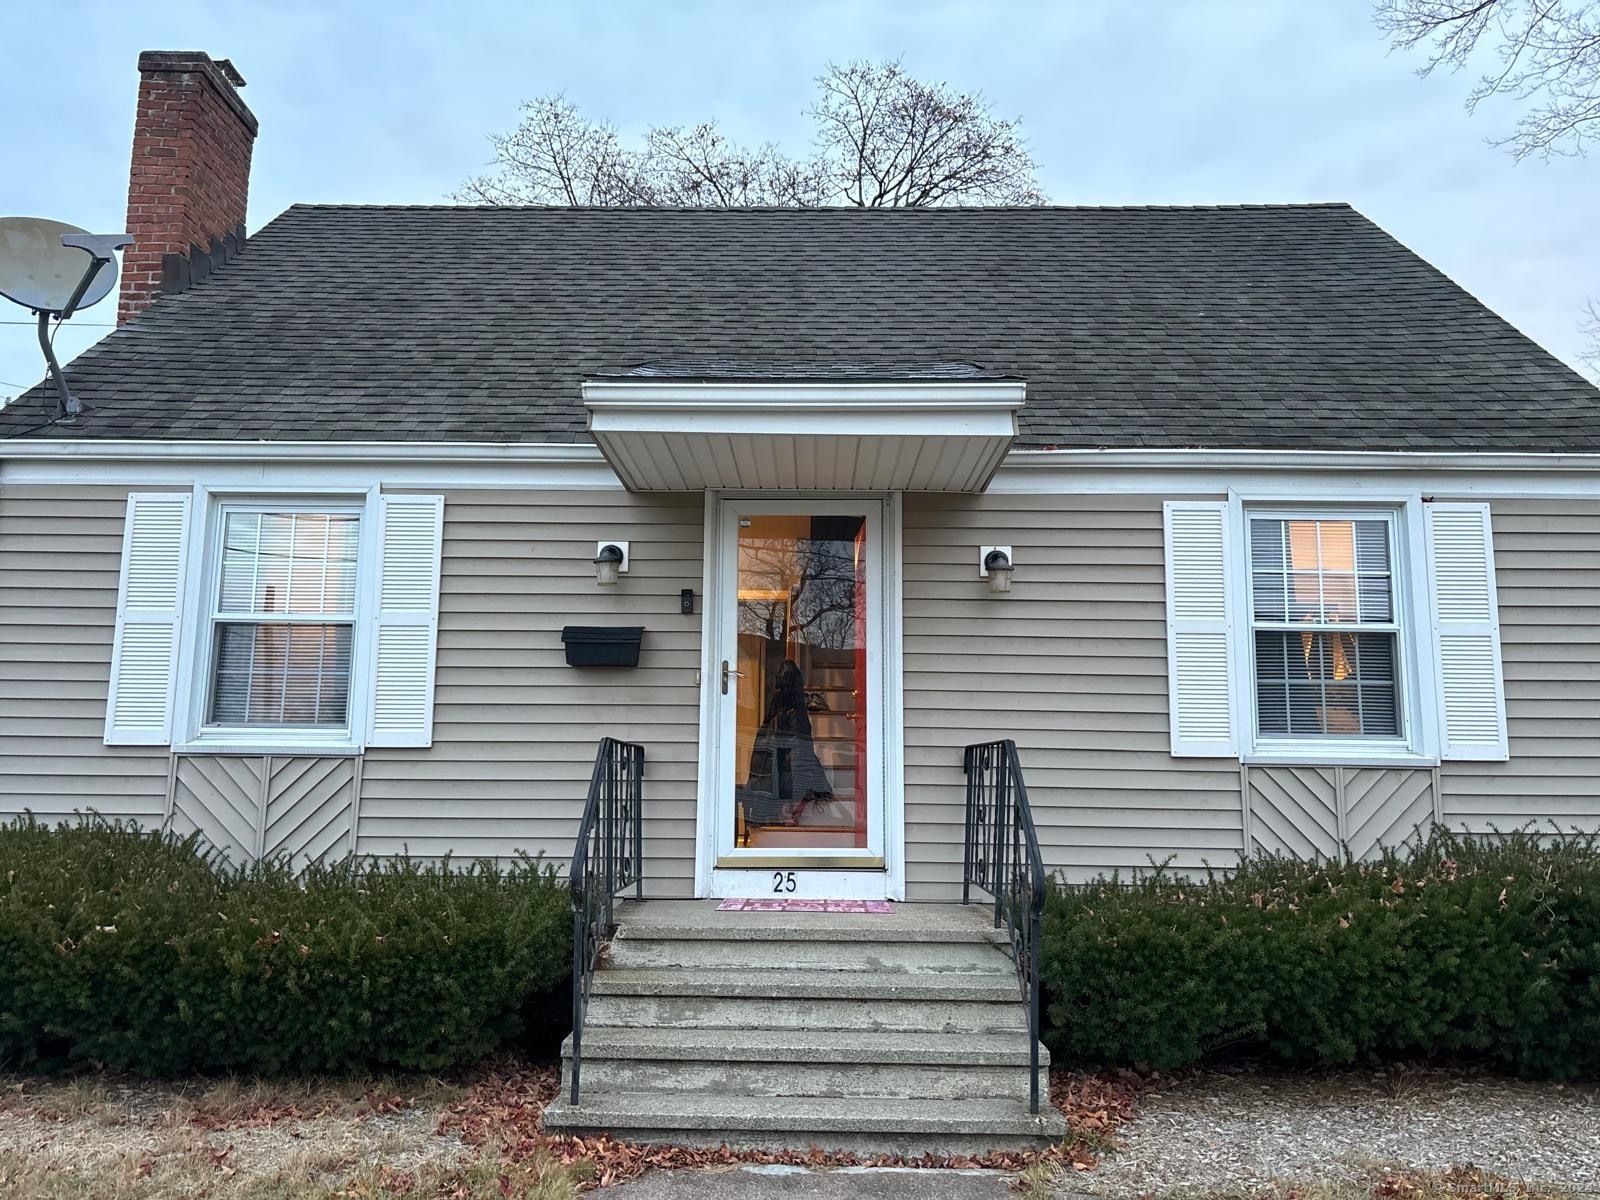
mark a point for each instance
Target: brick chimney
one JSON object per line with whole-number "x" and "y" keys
{"x": 190, "y": 176}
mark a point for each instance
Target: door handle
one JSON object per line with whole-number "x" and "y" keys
{"x": 727, "y": 672}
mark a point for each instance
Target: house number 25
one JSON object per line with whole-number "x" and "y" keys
{"x": 783, "y": 881}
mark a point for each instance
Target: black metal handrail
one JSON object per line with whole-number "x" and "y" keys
{"x": 608, "y": 858}
{"x": 1002, "y": 858}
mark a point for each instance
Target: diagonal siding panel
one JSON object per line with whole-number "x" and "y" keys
{"x": 1385, "y": 807}
{"x": 310, "y": 806}
{"x": 1296, "y": 810}
{"x": 1293, "y": 810}
{"x": 220, "y": 797}
{"x": 291, "y": 776}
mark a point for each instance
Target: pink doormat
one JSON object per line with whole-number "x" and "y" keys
{"x": 822, "y": 906}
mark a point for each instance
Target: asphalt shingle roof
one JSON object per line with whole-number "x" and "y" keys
{"x": 1285, "y": 327}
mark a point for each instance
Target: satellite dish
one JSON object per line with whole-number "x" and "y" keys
{"x": 55, "y": 269}
{"x": 37, "y": 271}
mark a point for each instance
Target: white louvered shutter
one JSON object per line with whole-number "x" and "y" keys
{"x": 1466, "y": 628}
{"x": 144, "y": 654}
{"x": 410, "y": 535}
{"x": 1199, "y": 688}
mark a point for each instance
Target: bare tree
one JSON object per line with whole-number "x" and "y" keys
{"x": 1589, "y": 326}
{"x": 556, "y": 155}
{"x": 883, "y": 139}
{"x": 700, "y": 168}
{"x": 1548, "y": 51}
{"x": 889, "y": 140}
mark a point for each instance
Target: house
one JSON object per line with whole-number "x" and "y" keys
{"x": 1250, "y": 528}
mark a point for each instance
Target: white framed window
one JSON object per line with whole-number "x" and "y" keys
{"x": 1327, "y": 632}
{"x": 1354, "y": 630}
{"x": 298, "y": 623}
{"x": 282, "y": 625}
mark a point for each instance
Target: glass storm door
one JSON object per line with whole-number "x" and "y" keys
{"x": 798, "y": 693}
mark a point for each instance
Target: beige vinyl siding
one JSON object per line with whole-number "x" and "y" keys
{"x": 1547, "y": 570}
{"x": 515, "y": 728}
{"x": 1072, "y": 665}
{"x": 60, "y": 560}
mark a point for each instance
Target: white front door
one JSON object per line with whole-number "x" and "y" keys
{"x": 795, "y": 799}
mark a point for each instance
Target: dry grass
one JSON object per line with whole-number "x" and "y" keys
{"x": 1403, "y": 1082}
{"x": 226, "y": 1101}
{"x": 1400, "y": 1183}
{"x": 536, "y": 1177}
{"x": 1038, "y": 1181}
{"x": 236, "y": 1101}
{"x": 194, "y": 1172}
{"x": 76, "y": 1098}
{"x": 99, "y": 1138}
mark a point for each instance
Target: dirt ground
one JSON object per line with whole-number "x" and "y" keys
{"x": 1227, "y": 1135}
{"x": 1401, "y": 1134}
{"x": 245, "y": 1140}
{"x": 477, "y": 1134}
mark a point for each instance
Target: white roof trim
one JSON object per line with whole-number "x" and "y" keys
{"x": 600, "y": 394}
{"x": 1299, "y": 460}
{"x": 118, "y": 450}
{"x": 675, "y": 435}
{"x": 557, "y": 453}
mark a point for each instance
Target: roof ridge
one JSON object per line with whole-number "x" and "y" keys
{"x": 1266, "y": 206}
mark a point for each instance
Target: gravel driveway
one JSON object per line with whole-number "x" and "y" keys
{"x": 1245, "y": 1130}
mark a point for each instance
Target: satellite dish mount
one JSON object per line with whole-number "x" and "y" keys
{"x": 54, "y": 270}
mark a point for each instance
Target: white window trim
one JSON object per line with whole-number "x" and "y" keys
{"x": 191, "y": 733}
{"x": 1419, "y": 747}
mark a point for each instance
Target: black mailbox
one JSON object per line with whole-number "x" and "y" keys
{"x": 602, "y": 645}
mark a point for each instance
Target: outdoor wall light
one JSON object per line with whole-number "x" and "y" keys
{"x": 610, "y": 561}
{"x": 994, "y": 564}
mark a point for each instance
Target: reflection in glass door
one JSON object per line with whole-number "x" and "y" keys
{"x": 801, "y": 727}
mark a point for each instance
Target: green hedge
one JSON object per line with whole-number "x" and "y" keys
{"x": 1479, "y": 949}
{"x": 130, "y": 950}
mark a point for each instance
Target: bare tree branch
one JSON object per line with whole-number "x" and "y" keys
{"x": 1549, "y": 55}
{"x": 883, "y": 139}
{"x": 556, "y": 155}
{"x": 1589, "y": 326}
{"x": 898, "y": 141}
{"x": 700, "y": 167}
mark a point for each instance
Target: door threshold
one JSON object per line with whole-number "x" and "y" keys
{"x": 800, "y": 862}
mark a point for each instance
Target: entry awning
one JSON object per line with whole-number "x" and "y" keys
{"x": 924, "y": 435}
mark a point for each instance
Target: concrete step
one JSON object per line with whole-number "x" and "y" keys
{"x": 900, "y": 1032}
{"x": 803, "y": 1012}
{"x": 685, "y": 920}
{"x": 872, "y": 1124}
{"x": 894, "y": 1080}
{"x": 807, "y": 1045}
{"x": 759, "y": 1062}
{"x": 800, "y": 983}
{"x": 632, "y": 949}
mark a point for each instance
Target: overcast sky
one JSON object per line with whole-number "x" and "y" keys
{"x": 1149, "y": 103}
